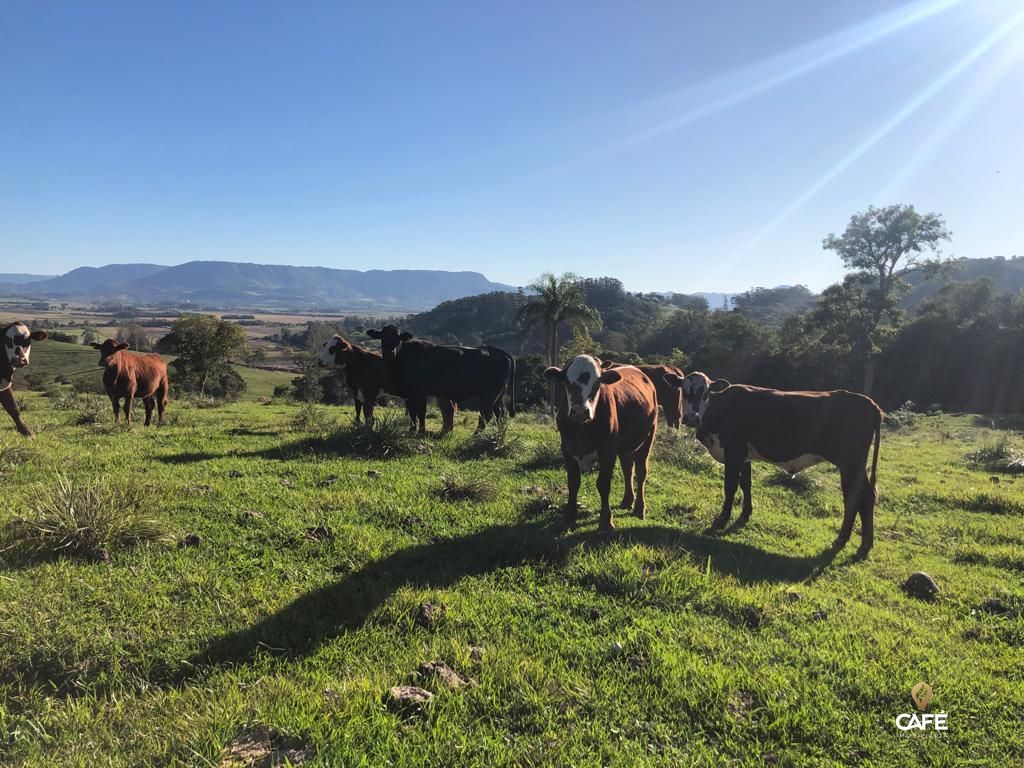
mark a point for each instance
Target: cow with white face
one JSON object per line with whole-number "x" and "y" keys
{"x": 605, "y": 414}
{"x": 696, "y": 387}
{"x": 17, "y": 341}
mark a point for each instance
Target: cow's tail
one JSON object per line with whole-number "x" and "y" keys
{"x": 512, "y": 387}
{"x": 878, "y": 439}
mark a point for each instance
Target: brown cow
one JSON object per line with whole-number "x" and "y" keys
{"x": 129, "y": 375}
{"x": 792, "y": 430}
{"x": 605, "y": 414}
{"x": 367, "y": 375}
{"x": 669, "y": 398}
{"x": 17, "y": 348}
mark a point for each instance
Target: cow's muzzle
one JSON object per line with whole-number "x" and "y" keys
{"x": 19, "y": 362}
{"x": 691, "y": 421}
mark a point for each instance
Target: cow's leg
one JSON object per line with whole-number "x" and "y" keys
{"x": 573, "y": 478}
{"x": 447, "y": 409}
{"x": 149, "y": 404}
{"x": 161, "y": 402}
{"x": 852, "y": 490}
{"x": 748, "y": 501}
{"x": 115, "y": 401}
{"x": 628, "y": 497}
{"x": 359, "y": 409}
{"x": 606, "y": 468}
{"x": 867, "y": 518}
{"x": 733, "y": 469}
{"x": 10, "y": 404}
{"x": 642, "y": 455}
{"x": 128, "y": 407}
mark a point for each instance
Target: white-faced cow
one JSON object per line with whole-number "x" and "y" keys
{"x": 17, "y": 340}
{"x": 367, "y": 375}
{"x": 129, "y": 375}
{"x": 606, "y": 414}
{"x": 739, "y": 424}
{"x": 420, "y": 369}
{"x": 669, "y": 398}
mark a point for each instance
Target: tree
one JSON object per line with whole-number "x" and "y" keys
{"x": 882, "y": 246}
{"x": 556, "y": 301}
{"x": 135, "y": 336}
{"x": 204, "y": 345}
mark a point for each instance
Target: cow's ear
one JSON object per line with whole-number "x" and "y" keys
{"x": 610, "y": 377}
{"x": 94, "y": 345}
{"x": 674, "y": 380}
{"x": 373, "y": 333}
{"x": 405, "y": 336}
{"x": 120, "y": 346}
{"x": 38, "y": 335}
{"x": 718, "y": 385}
{"x": 554, "y": 374}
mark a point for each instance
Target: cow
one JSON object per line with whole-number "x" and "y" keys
{"x": 669, "y": 398}
{"x": 739, "y": 424}
{"x": 420, "y": 369}
{"x": 17, "y": 348}
{"x": 605, "y": 414}
{"x": 367, "y": 375}
{"x": 129, "y": 375}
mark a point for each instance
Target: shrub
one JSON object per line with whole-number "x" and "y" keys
{"x": 998, "y": 456}
{"x": 91, "y": 409}
{"x": 386, "y": 437}
{"x": 87, "y": 518}
{"x": 314, "y": 419}
{"x": 469, "y": 488}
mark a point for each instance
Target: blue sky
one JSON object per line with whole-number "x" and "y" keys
{"x": 677, "y": 145}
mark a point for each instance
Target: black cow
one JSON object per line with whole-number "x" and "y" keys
{"x": 421, "y": 369}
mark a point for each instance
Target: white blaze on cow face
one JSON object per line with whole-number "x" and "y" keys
{"x": 582, "y": 381}
{"x": 695, "y": 397}
{"x": 327, "y": 351}
{"x": 17, "y": 345}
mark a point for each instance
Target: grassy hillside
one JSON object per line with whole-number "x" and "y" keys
{"x": 305, "y": 600}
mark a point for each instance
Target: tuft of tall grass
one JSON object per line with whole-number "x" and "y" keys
{"x": 547, "y": 455}
{"x": 87, "y": 518}
{"x": 386, "y": 437}
{"x": 467, "y": 488}
{"x": 496, "y": 440}
{"x": 997, "y": 456}
{"x": 91, "y": 409}
{"x": 680, "y": 448}
{"x": 11, "y": 455}
{"x": 314, "y": 419}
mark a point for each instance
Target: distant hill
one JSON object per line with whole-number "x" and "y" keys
{"x": 1008, "y": 274}
{"x": 229, "y": 284}
{"x": 15, "y": 278}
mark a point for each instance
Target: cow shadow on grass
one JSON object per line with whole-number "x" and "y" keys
{"x": 312, "y": 619}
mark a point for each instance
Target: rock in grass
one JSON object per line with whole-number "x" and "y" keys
{"x": 752, "y": 617}
{"x": 192, "y": 540}
{"x": 794, "y": 597}
{"x": 328, "y": 481}
{"x": 408, "y": 698}
{"x": 372, "y": 473}
{"x": 921, "y": 586}
{"x": 448, "y": 676}
{"x": 262, "y": 746}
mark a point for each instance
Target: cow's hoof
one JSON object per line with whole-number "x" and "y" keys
{"x": 608, "y": 527}
{"x": 641, "y": 513}
{"x": 719, "y": 523}
{"x": 626, "y": 504}
{"x": 862, "y": 552}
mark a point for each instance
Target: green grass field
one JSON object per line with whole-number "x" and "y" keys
{"x": 660, "y": 644}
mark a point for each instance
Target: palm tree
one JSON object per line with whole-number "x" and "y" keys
{"x": 556, "y": 301}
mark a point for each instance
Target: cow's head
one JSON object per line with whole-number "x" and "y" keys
{"x": 582, "y": 380}
{"x": 108, "y": 349}
{"x": 18, "y": 343}
{"x": 390, "y": 340}
{"x": 334, "y": 353}
{"x": 697, "y": 388}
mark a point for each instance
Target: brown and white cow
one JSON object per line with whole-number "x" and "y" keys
{"x": 129, "y": 375}
{"x": 669, "y": 398}
{"x": 367, "y": 375}
{"x": 739, "y": 424}
{"x": 605, "y": 414}
{"x": 17, "y": 340}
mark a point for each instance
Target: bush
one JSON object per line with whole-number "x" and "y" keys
{"x": 386, "y": 437}
{"x": 314, "y": 419}
{"x": 87, "y": 519}
{"x": 90, "y": 409}
{"x": 998, "y": 456}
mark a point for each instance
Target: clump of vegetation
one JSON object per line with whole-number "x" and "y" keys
{"x": 546, "y": 455}
{"x": 904, "y": 417}
{"x": 467, "y": 488}
{"x": 91, "y": 410}
{"x": 680, "y": 448}
{"x": 998, "y": 456}
{"x": 386, "y": 437}
{"x": 800, "y": 483}
{"x": 313, "y": 419}
{"x": 87, "y": 519}
{"x": 497, "y": 441}
{"x": 10, "y": 457}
